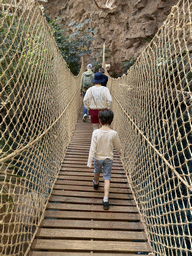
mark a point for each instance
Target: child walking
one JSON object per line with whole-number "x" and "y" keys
{"x": 101, "y": 150}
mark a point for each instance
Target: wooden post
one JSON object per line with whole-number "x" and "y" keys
{"x": 103, "y": 64}
{"x": 83, "y": 63}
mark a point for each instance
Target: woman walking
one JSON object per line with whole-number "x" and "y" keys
{"x": 96, "y": 98}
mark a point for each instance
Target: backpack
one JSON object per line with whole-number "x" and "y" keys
{"x": 87, "y": 80}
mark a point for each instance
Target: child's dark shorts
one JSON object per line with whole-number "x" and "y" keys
{"x": 106, "y": 164}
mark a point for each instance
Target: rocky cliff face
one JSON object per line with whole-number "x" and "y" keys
{"x": 126, "y": 26}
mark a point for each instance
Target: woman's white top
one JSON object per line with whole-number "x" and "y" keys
{"x": 102, "y": 144}
{"x": 97, "y": 97}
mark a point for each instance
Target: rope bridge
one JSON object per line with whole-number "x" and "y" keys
{"x": 39, "y": 105}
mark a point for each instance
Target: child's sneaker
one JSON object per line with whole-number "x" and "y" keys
{"x": 95, "y": 185}
{"x": 84, "y": 117}
{"x": 105, "y": 205}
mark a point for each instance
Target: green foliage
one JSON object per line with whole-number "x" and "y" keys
{"x": 10, "y": 44}
{"x": 147, "y": 39}
{"x": 116, "y": 70}
{"x": 129, "y": 63}
{"x": 176, "y": 67}
{"x": 18, "y": 58}
{"x": 97, "y": 59}
{"x": 17, "y": 53}
{"x": 75, "y": 45}
{"x": 5, "y": 198}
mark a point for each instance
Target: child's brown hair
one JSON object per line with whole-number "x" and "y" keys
{"x": 105, "y": 116}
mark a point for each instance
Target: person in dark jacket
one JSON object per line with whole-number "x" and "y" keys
{"x": 101, "y": 70}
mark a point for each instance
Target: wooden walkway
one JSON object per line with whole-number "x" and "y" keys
{"x": 75, "y": 223}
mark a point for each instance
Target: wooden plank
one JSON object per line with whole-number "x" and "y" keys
{"x": 76, "y": 143}
{"x": 79, "y": 137}
{"x": 83, "y": 160}
{"x": 83, "y": 188}
{"x": 90, "y": 208}
{"x": 70, "y": 155}
{"x": 83, "y": 134}
{"x": 89, "y": 173}
{"x": 115, "y": 225}
{"x": 79, "y": 147}
{"x": 80, "y": 162}
{"x": 78, "y": 200}
{"x": 79, "y": 155}
{"x": 65, "y": 177}
{"x": 43, "y": 253}
{"x": 89, "y": 170}
{"x": 78, "y": 140}
{"x": 91, "y": 215}
{"x": 76, "y": 155}
{"x": 82, "y": 154}
{"x": 105, "y": 246}
{"x": 90, "y": 194}
{"x": 91, "y": 234}
{"x": 84, "y": 163}
{"x": 84, "y": 167}
{"x": 90, "y": 183}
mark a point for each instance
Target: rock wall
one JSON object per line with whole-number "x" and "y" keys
{"x": 126, "y": 26}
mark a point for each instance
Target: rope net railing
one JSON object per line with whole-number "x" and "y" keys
{"x": 153, "y": 113}
{"x": 39, "y": 104}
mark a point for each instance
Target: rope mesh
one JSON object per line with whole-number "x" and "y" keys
{"x": 39, "y": 103}
{"x": 153, "y": 110}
